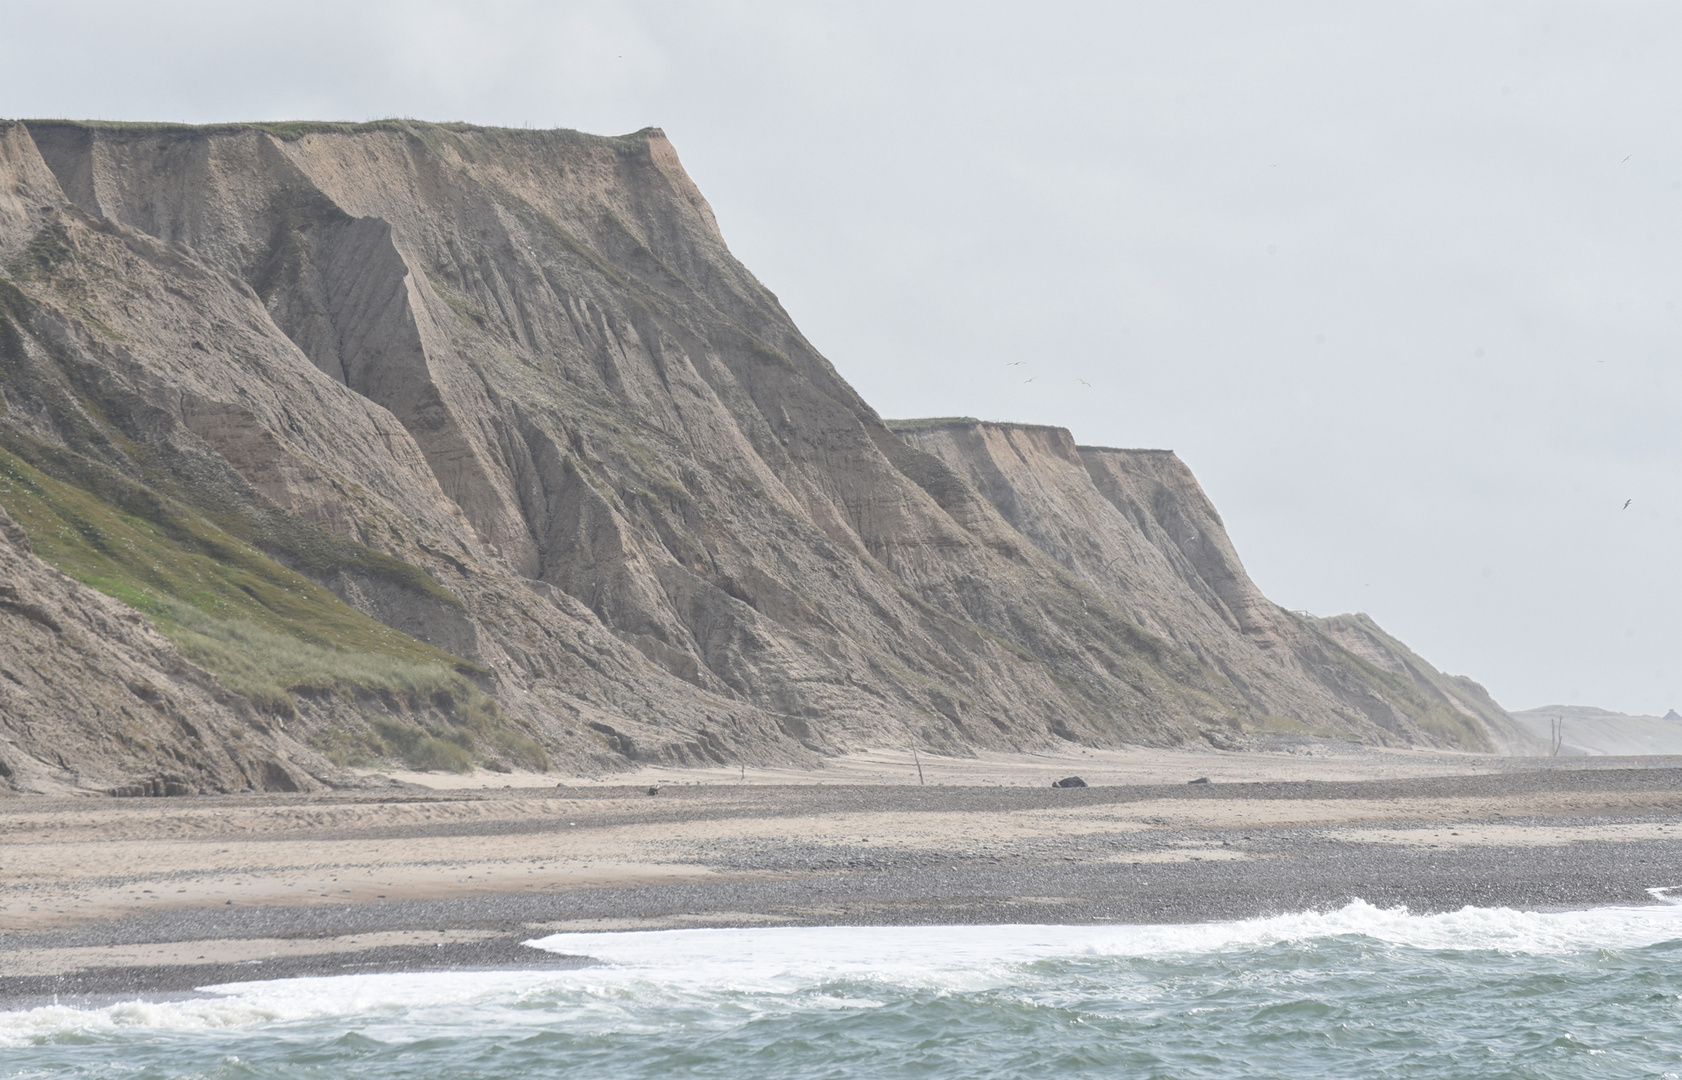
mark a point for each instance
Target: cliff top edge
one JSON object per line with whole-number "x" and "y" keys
{"x": 934, "y": 423}
{"x": 293, "y": 130}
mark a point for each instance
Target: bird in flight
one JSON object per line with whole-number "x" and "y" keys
{"x": 1030, "y": 379}
{"x": 1626, "y": 503}
{"x": 1626, "y": 159}
{"x": 1015, "y": 363}
{"x": 1083, "y": 382}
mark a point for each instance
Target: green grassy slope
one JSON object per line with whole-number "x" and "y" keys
{"x": 263, "y": 630}
{"x": 1424, "y": 693}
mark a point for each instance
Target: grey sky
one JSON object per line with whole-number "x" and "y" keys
{"x": 1399, "y": 282}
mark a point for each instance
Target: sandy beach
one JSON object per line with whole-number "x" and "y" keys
{"x": 106, "y": 897}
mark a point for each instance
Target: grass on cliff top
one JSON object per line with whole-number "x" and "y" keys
{"x": 931, "y": 422}
{"x": 293, "y": 130}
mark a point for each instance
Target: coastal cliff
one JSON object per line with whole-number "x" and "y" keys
{"x": 456, "y": 445}
{"x": 1136, "y": 528}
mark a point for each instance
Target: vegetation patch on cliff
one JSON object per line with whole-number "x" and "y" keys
{"x": 264, "y": 631}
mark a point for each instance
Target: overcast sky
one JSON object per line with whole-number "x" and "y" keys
{"x": 1399, "y": 282}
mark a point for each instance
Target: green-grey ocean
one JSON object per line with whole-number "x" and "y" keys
{"x": 1357, "y": 992}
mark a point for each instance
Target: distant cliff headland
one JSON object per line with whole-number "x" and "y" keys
{"x": 327, "y": 444}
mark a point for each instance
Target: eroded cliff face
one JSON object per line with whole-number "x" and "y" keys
{"x": 1137, "y": 528}
{"x": 1365, "y": 639}
{"x": 508, "y": 394}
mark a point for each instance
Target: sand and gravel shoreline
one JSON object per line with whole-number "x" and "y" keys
{"x": 103, "y": 897}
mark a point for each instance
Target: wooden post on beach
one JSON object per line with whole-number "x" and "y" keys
{"x": 919, "y": 762}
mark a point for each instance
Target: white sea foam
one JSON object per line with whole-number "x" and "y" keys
{"x": 745, "y": 971}
{"x": 920, "y": 954}
{"x": 372, "y": 998}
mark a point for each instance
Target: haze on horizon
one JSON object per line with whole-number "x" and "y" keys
{"x": 1399, "y": 282}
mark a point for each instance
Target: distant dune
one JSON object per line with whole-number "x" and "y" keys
{"x": 1592, "y": 732}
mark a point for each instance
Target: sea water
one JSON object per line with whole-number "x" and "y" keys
{"x": 1355, "y": 992}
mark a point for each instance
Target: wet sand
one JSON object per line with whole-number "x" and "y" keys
{"x": 103, "y": 897}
